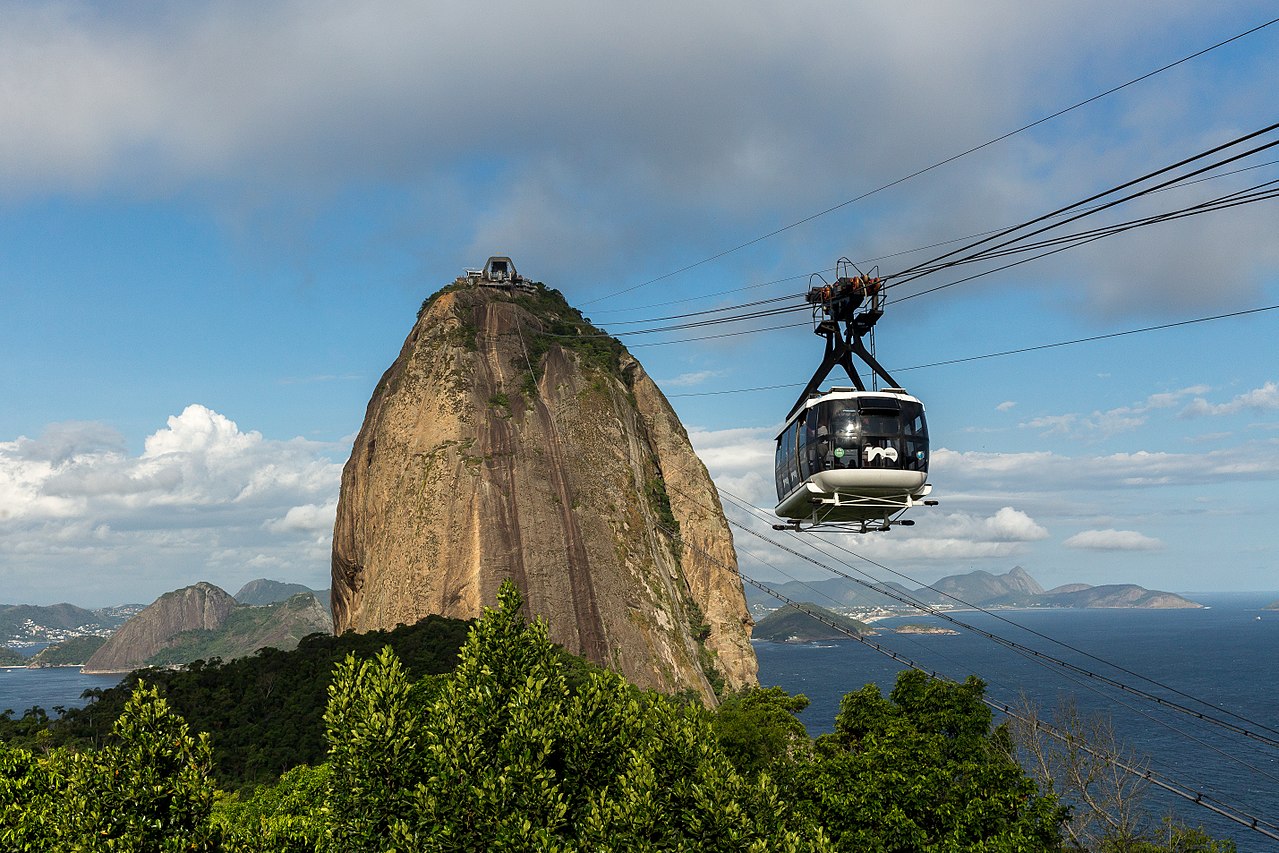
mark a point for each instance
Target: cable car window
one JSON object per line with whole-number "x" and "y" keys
{"x": 877, "y": 424}
{"x": 879, "y": 404}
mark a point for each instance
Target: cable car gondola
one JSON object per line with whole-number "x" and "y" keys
{"x": 851, "y": 458}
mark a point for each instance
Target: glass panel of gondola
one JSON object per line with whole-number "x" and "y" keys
{"x": 915, "y": 441}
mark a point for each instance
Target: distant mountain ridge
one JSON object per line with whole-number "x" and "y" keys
{"x": 262, "y": 592}
{"x": 1014, "y": 588}
{"x": 203, "y": 621}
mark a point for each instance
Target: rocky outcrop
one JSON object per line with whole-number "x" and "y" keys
{"x": 202, "y": 622}
{"x": 511, "y": 440}
{"x": 199, "y": 607}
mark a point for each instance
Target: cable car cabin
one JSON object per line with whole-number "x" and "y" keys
{"x": 853, "y": 457}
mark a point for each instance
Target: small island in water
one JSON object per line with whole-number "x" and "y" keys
{"x": 791, "y": 624}
{"x": 916, "y": 628}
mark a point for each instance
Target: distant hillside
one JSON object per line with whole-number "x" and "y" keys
{"x": 1115, "y": 595}
{"x": 789, "y": 624}
{"x": 1011, "y": 588}
{"x": 22, "y": 624}
{"x": 280, "y": 625}
{"x": 64, "y": 616}
{"x": 831, "y": 590}
{"x": 73, "y": 652}
{"x": 1015, "y": 588}
{"x": 263, "y": 591}
{"x": 8, "y": 657}
{"x": 203, "y": 621}
{"x": 1273, "y": 606}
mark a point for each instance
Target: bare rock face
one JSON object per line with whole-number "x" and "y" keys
{"x": 199, "y": 607}
{"x": 511, "y": 440}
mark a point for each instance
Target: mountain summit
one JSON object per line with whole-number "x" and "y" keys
{"x": 513, "y": 439}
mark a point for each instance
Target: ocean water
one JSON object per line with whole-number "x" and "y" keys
{"x": 22, "y": 688}
{"x": 1226, "y": 655}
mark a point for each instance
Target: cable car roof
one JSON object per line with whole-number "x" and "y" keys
{"x": 842, "y": 393}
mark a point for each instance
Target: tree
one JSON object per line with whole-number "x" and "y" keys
{"x": 759, "y": 732}
{"x": 1079, "y": 759}
{"x": 147, "y": 790}
{"x": 924, "y": 771}
{"x": 375, "y": 759}
{"x": 504, "y": 756}
{"x": 289, "y": 816}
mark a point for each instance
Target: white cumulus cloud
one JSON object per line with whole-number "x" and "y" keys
{"x": 204, "y": 500}
{"x": 1113, "y": 540}
{"x": 1258, "y": 400}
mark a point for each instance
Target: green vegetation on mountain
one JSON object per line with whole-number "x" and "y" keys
{"x": 8, "y": 657}
{"x": 72, "y": 652}
{"x": 790, "y": 624}
{"x": 13, "y": 617}
{"x": 564, "y": 325}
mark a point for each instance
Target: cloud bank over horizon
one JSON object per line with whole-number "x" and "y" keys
{"x": 204, "y": 501}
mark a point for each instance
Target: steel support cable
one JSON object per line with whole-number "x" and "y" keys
{"x": 1011, "y": 644}
{"x": 753, "y": 315}
{"x": 800, "y": 277}
{"x": 914, "y": 601}
{"x": 722, "y": 335}
{"x": 1007, "y": 266}
{"x": 1118, "y": 188}
{"x": 938, "y": 164}
{"x": 898, "y": 254}
{"x": 909, "y": 274}
{"x": 1248, "y": 195}
{"x": 715, "y": 321}
{"x": 1231, "y": 813}
{"x": 993, "y": 231}
{"x": 738, "y": 307}
{"x": 1151, "y": 718}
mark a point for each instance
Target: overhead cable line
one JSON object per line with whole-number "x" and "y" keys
{"x": 1264, "y": 191}
{"x": 1019, "y": 351}
{"x": 911, "y": 600}
{"x": 910, "y": 273}
{"x": 1082, "y": 683}
{"x": 1229, "y": 812}
{"x": 936, "y": 165}
{"x": 738, "y": 307}
{"x": 897, "y": 254}
{"x": 1255, "y": 193}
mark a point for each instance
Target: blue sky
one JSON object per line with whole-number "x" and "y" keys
{"x": 217, "y": 221}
